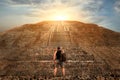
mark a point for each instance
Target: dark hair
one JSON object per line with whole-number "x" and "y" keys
{"x": 58, "y": 48}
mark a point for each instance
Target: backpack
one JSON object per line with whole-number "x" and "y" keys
{"x": 63, "y": 57}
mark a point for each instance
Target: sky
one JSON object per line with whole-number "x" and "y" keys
{"x": 14, "y": 13}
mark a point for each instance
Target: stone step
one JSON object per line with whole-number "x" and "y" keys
{"x": 79, "y": 70}
{"x": 47, "y": 67}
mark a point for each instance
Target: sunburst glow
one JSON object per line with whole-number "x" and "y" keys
{"x": 60, "y": 17}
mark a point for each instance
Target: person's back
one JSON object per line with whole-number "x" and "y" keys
{"x": 58, "y": 54}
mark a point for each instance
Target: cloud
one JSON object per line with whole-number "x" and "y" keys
{"x": 24, "y": 2}
{"x": 82, "y": 10}
{"x": 20, "y": 2}
{"x": 93, "y": 11}
{"x": 86, "y": 4}
{"x": 29, "y": 2}
{"x": 79, "y": 9}
{"x": 70, "y": 3}
{"x": 117, "y": 6}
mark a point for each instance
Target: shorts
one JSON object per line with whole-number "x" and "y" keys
{"x": 59, "y": 63}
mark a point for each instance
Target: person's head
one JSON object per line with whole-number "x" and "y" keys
{"x": 58, "y": 48}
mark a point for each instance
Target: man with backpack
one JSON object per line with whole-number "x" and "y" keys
{"x": 59, "y": 59}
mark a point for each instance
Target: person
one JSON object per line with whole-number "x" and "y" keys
{"x": 58, "y": 62}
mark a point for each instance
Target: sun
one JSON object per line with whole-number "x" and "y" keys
{"x": 60, "y": 17}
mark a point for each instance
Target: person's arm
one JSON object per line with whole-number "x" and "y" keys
{"x": 54, "y": 56}
{"x": 63, "y": 51}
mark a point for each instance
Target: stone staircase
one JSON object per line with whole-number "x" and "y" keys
{"x": 80, "y": 65}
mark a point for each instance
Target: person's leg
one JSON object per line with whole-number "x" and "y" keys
{"x": 63, "y": 71}
{"x": 56, "y": 66}
{"x": 63, "y": 68}
{"x": 55, "y": 71}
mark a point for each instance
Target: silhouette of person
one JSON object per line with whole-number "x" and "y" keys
{"x": 57, "y": 61}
